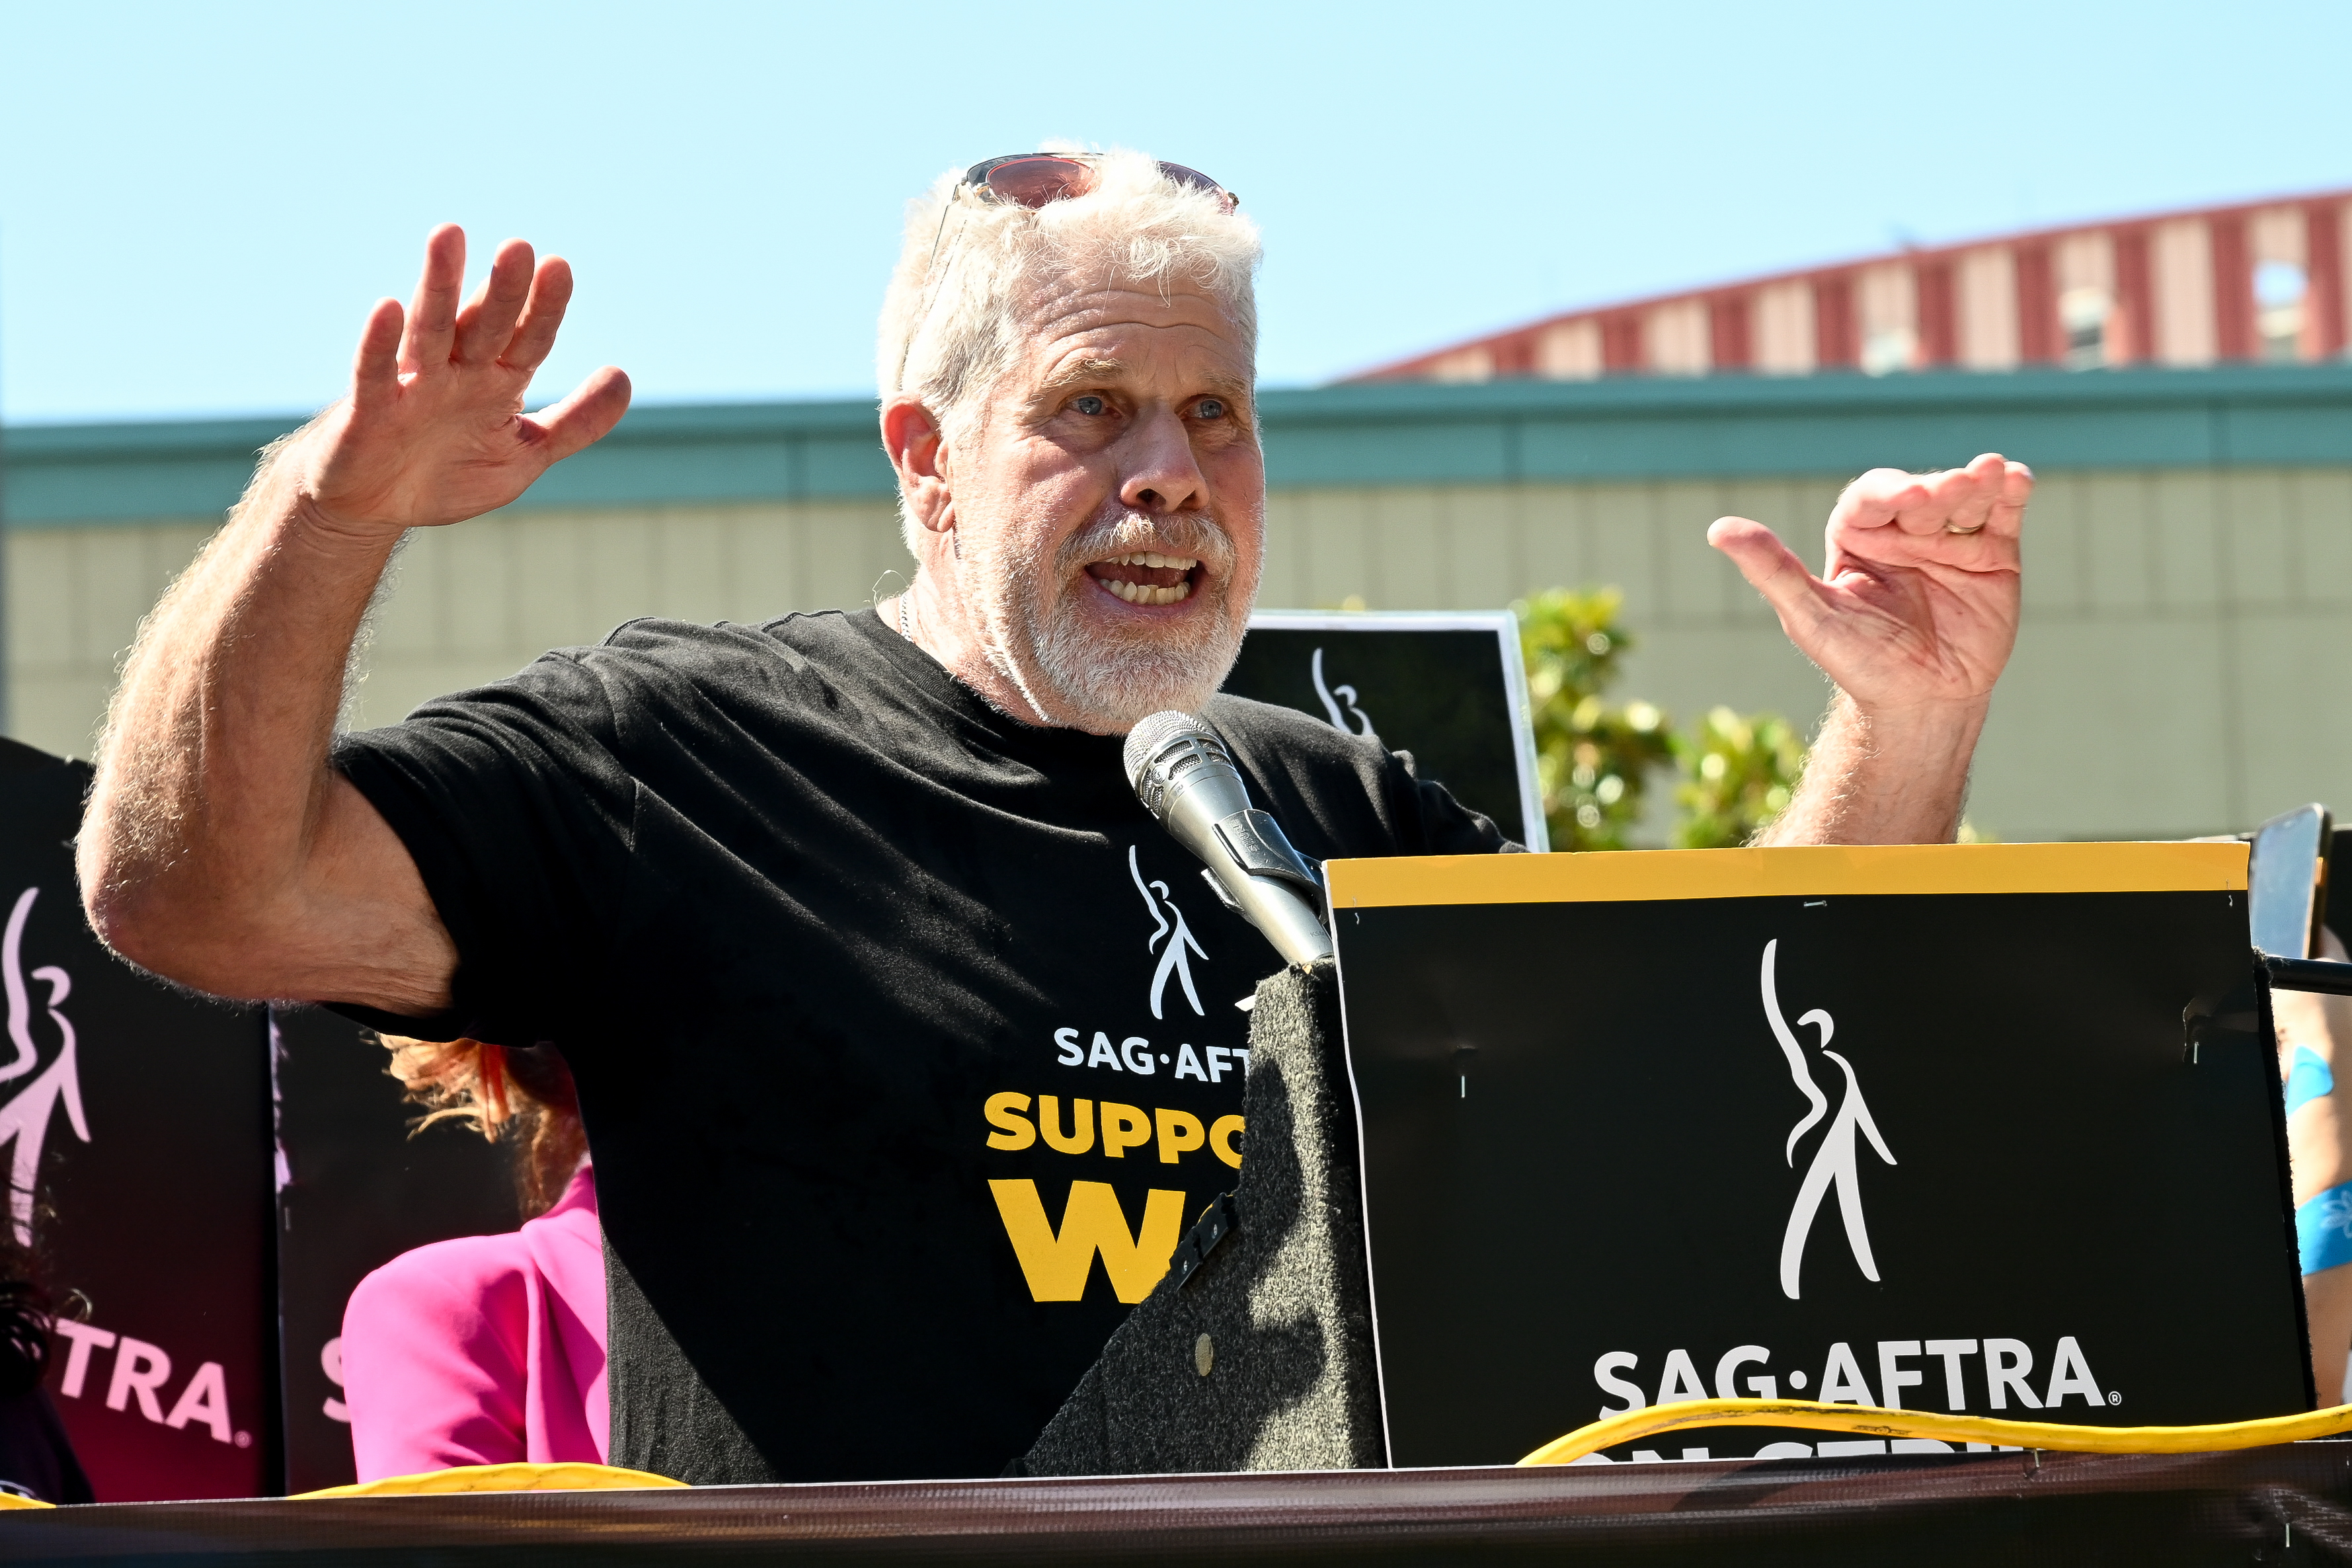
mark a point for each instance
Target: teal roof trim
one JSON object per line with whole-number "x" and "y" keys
{"x": 1727, "y": 427}
{"x": 68, "y": 474}
{"x": 1501, "y": 431}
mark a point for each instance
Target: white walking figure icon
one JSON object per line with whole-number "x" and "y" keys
{"x": 1172, "y": 926}
{"x": 1333, "y": 695}
{"x": 1834, "y": 1159}
{"x": 25, "y": 1119}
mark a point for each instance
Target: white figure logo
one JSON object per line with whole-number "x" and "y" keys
{"x": 1179, "y": 936}
{"x": 1333, "y": 695}
{"x": 26, "y": 1118}
{"x": 1833, "y": 1161}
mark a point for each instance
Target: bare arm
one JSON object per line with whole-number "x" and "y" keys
{"x": 220, "y": 848}
{"x": 1913, "y": 616}
{"x": 2319, "y": 1152}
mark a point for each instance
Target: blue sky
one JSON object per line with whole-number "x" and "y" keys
{"x": 197, "y": 203}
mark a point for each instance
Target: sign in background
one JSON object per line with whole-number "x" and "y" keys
{"x": 359, "y": 1190}
{"x": 1591, "y": 1136}
{"x": 1449, "y": 687}
{"x": 137, "y": 1121}
{"x": 139, "y": 1118}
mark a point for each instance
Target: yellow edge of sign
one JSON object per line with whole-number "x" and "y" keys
{"x": 1825, "y": 872}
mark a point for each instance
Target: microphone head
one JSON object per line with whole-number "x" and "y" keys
{"x": 1171, "y": 748}
{"x": 1148, "y": 739}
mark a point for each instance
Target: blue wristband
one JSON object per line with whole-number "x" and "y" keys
{"x": 2323, "y": 1229}
{"x": 2308, "y": 1079}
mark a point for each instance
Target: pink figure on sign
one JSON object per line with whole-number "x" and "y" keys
{"x": 25, "y": 1119}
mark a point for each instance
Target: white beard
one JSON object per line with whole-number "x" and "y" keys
{"x": 1070, "y": 671}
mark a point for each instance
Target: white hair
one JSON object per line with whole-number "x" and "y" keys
{"x": 958, "y": 309}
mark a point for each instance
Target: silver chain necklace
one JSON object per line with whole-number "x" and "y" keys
{"x": 905, "y": 625}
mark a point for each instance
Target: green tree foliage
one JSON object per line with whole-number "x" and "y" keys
{"x": 1737, "y": 774}
{"x": 1593, "y": 759}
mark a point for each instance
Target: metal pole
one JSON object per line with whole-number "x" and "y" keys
{"x": 2309, "y": 974}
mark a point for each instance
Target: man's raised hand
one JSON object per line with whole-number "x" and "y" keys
{"x": 432, "y": 430}
{"x": 1916, "y": 608}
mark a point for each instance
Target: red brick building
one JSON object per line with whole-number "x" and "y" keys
{"x": 2263, "y": 280}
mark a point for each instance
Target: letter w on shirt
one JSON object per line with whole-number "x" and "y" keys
{"x": 1056, "y": 1265}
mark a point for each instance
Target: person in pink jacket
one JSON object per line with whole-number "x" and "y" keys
{"x": 487, "y": 1350}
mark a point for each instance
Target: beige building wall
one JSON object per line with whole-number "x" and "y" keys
{"x": 463, "y": 604}
{"x": 2185, "y": 637}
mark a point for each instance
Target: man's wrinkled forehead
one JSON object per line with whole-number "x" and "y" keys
{"x": 1078, "y": 329}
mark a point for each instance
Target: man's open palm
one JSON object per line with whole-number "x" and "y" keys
{"x": 432, "y": 430}
{"x": 1916, "y": 604}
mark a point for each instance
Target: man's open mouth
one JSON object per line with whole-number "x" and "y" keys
{"x": 1147, "y": 577}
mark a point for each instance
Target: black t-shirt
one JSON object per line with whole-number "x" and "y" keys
{"x": 907, "y": 1042}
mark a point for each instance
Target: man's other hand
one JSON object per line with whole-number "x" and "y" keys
{"x": 1916, "y": 604}
{"x": 433, "y": 429}
{"x": 1914, "y": 616}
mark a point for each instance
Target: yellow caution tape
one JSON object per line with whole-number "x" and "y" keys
{"x": 1634, "y": 1424}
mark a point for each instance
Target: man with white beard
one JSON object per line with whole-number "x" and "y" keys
{"x": 835, "y": 919}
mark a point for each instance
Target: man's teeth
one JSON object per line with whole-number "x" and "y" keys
{"x": 1143, "y": 593}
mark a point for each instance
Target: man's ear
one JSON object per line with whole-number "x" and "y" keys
{"x": 911, "y": 434}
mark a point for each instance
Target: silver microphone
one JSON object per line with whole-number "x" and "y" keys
{"x": 1185, "y": 778}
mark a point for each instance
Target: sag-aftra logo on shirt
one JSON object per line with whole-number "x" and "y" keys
{"x": 1056, "y": 1260}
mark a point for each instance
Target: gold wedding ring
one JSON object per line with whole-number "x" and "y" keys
{"x": 1977, "y": 529}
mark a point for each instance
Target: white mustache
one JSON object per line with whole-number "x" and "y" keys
{"x": 1124, "y": 532}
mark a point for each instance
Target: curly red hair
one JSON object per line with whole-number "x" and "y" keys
{"x": 522, "y": 1098}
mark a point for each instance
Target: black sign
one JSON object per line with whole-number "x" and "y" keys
{"x": 138, "y": 1116}
{"x": 1916, "y": 1128}
{"x": 1448, "y": 687}
{"x": 359, "y": 1190}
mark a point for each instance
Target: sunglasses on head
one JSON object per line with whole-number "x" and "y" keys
{"x": 1033, "y": 179}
